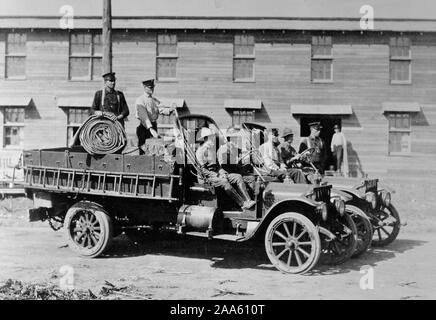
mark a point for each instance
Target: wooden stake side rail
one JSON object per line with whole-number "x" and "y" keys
{"x": 119, "y": 184}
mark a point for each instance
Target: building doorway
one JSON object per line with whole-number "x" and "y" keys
{"x": 328, "y": 123}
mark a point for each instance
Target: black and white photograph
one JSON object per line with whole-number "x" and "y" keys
{"x": 236, "y": 152}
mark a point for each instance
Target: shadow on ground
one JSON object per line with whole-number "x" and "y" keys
{"x": 231, "y": 255}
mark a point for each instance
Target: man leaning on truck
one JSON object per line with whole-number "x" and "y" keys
{"x": 147, "y": 112}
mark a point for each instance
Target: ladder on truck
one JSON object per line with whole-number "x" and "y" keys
{"x": 120, "y": 184}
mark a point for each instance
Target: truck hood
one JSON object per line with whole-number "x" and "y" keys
{"x": 284, "y": 191}
{"x": 343, "y": 183}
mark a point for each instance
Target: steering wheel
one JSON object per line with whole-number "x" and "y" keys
{"x": 307, "y": 154}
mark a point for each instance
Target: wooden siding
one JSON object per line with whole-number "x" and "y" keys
{"x": 282, "y": 78}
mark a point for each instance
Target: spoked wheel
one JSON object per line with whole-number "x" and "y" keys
{"x": 89, "y": 229}
{"x": 386, "y": 226}
{"x": 292, "y": 243}
{"x": 341, "y": 248}
{"x": 364, "y": 229}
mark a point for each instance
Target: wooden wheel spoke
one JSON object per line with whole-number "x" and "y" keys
{"x": 281, "y": 235}
{"x": 302, "y": 234}
{"x": 289, "y": 258}
{"x": 287, "y": 229}
{"x": 82, "y": 239}
{"x": 94, "y": 238}
{"x": 278, "y": 244}
{"x": 294, "y": 229}
{"x": 379, "y": 234}
{"x": 282, "y": 253}
{"x": 386, "y": 232}
{"x": 305, "y": 243}
{"x": 297, "y": 255}
{"x": 304, "y": 252}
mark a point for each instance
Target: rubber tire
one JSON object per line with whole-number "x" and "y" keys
{"x": 312, "y": 231}
{"x": 106, "y": 226}
{"x": 395, "y": 231}
{"x": 328, "y": 259}
{"x": 363, "y": 242}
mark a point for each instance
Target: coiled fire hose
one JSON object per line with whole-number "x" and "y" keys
{"x": 102, "y": 134}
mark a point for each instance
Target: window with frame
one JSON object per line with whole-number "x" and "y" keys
{"x": 166, "y": 57}
{"x": 399, "y": 133}
{"x": 13, "y": 127}
{"x": 75, "y": 118}
{"x": 85, "y": 61}
{"x": 239, "y": 116}
{"x": 322, "y": 59}
{"x": 243, "y": 58}
{"x": 400, "y": 65}
{"x": 15, "y": 58}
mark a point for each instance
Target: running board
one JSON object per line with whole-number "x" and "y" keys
{"x": 227, "y": 237}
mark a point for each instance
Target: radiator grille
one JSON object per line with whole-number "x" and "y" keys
{"x": 322, "y": 193}
{"x": 371, "y": 185}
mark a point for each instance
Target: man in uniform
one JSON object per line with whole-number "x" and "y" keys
{"x": 148, "y": 110}
{"x": 289, "y": 155}
{"x": 319, "y": 156}
{"x": 110, "y": 100}
{"x": 231, "y": 183}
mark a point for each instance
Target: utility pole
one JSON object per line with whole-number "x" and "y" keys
{"x": 107, "y": 36}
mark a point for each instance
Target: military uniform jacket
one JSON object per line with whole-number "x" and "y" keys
{"x": 314, "y": 142}
{"x": 114, "y": 102}
{"x": 148, "y": 110}
{"x": 206, "y": 157}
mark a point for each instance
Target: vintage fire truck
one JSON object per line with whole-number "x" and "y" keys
{"x": 95, "y": 198}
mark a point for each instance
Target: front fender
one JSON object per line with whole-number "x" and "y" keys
{"x": 302, "y": 206}
{"x": 341, "y": 194}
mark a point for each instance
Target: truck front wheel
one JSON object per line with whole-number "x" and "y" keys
{"x": 88, "y": 228}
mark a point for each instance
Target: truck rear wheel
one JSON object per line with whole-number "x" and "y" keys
{"x": 88, "y": 228}
{"x": 292, "y": 243}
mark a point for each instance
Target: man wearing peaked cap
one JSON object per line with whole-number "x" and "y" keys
{"x": 148, "y": 109}
{"x": 319, "y": 156}
{"x": 110, "y": 100}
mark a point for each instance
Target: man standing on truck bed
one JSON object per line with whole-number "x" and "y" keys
{"x": 110, "y": 100}
{"x": 148, "y": 111}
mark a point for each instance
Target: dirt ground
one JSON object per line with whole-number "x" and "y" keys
{"x": 199, "y": 269}
{"x": 190, "y": 268}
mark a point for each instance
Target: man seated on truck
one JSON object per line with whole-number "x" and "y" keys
{"x": 234, "y": 159}
{"x": 216, "y": 175}
{"x": 273, "y": 162}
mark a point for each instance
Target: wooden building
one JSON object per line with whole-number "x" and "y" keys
{"x": 280, "y": 71}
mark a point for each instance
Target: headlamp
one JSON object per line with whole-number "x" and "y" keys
{"x": 372, "y": 199}
{"x": 340, "y": 206}
{"x": 322, "y": 209}
{"x": 385, "y": 197}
